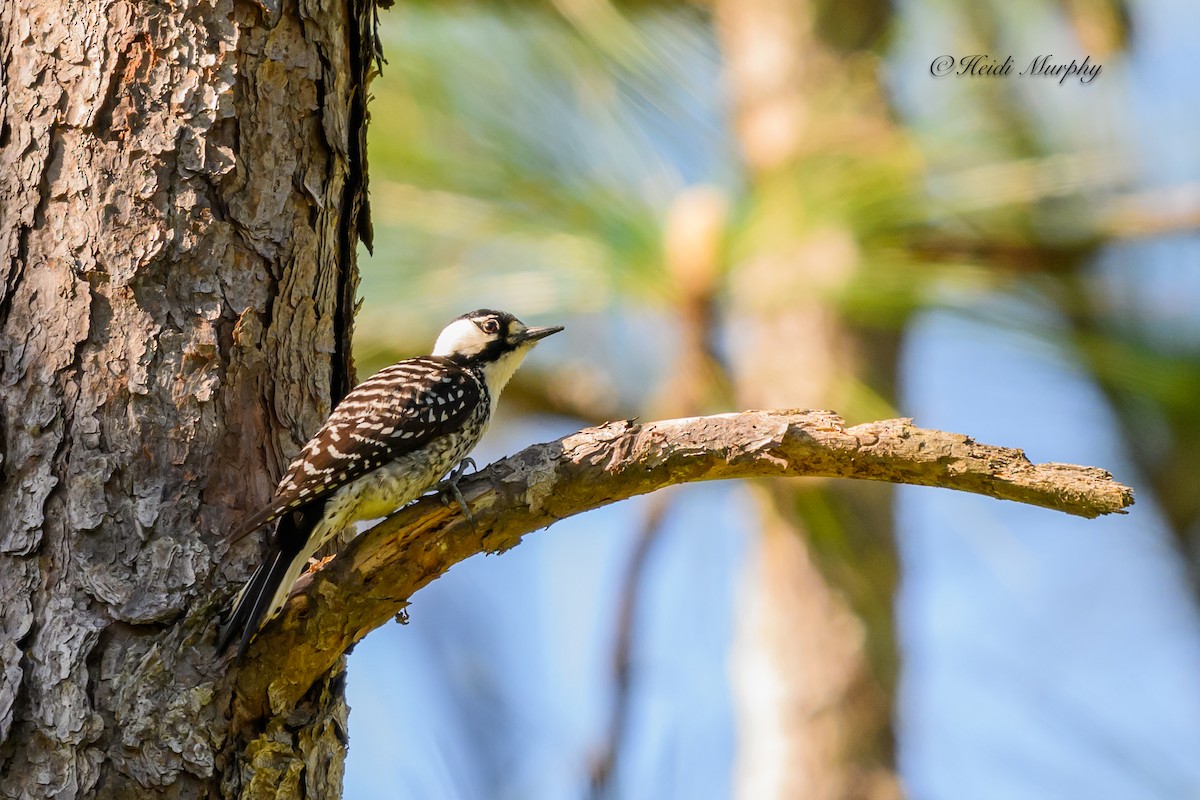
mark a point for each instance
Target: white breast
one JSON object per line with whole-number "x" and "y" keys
{"x": 497, "y": 373}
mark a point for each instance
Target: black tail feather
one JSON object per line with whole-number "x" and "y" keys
{"x": 253, "y": 601}
{"x": 288, "y": 541}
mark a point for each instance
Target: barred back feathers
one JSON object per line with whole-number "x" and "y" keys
{"x": 388, "y": 442}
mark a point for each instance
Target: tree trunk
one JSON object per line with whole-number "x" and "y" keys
{"x": 813, "y": 661}
{"x": 181, "y": 196}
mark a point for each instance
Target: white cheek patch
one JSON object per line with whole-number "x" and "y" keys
{"x": 461, "y": 336}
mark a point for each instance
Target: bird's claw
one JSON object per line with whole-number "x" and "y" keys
{"x": 448, "y": 489}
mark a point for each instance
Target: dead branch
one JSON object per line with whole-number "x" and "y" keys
{"x": 372, "y": 580}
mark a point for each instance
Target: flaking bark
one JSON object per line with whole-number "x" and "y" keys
{"x": 182, "y": 187}
{"x": 373, "y": 579}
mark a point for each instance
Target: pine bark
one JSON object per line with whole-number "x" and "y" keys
{"x": 181, "y": 195}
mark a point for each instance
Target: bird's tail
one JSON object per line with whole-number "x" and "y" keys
{"x": 268, "y": 588}
{"x": 252, "y": 602}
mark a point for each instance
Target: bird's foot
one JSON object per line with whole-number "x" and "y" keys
{"x": 448, "y": 488}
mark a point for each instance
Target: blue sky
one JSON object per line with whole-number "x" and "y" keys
{"x": 1045, "y": 656}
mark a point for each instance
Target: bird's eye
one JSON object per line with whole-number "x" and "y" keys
{"x": 491, "y": 325}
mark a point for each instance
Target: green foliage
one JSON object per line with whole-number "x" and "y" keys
{"x": 536, "y": 177}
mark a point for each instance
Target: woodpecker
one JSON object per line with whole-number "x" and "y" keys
{"x": 387, "y": 443}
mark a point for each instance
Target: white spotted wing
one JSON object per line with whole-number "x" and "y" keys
{"x": 397, "y": 410}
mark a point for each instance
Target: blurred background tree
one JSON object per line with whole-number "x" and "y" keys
{"x": 764, "y": 203}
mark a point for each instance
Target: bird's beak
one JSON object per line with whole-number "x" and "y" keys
{"x": 534, "y": 334}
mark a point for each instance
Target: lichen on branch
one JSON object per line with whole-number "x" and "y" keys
{"x": 372, "y": 579}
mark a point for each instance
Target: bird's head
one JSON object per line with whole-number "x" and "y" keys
{"x": 493, "y": 341}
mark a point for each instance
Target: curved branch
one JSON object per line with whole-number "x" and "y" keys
{"x": 372, "y": 579}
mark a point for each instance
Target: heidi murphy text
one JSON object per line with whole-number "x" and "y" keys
{"x": 984, "y": 66}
